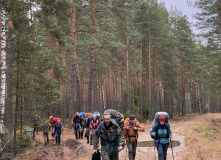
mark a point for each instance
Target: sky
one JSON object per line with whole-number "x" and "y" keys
{"x": 186, "y": 6}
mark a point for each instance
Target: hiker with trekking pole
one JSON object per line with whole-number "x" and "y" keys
{"x": 162, "y": 135}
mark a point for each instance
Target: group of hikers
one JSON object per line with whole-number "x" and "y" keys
{"x": 113, "y": 131}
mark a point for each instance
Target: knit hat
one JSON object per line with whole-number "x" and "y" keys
{"x": 162, "y": 118}
{"x": 94, "y": 116}
{"x": 132, "y": 117}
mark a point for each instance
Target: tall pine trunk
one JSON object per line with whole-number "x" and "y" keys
{"x": 150, "y": 113}
{"x": 141, "y": 81}
{"x": 128, "y": 81}
{"x": 91, "y": 67}
{"x": 9, "y": 93}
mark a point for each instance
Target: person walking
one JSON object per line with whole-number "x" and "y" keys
{"x": 35, "y": 121}
{"x": 77, "y": 125}
{"x": 57, "y": 131}
{"x": 87, "y": 123}
{"x": 112, "y": 138}
{"x": 83, "y": 119}
{"x": 131, "y": 129}
{"x": 93, "y": 126}
{"x": 45, "y": 127}
{"x": 162, "y": 135}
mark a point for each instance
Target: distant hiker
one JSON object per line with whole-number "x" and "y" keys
{"x": 50, "y": 119}
{"x": 83, "y": 118}
{"x": 57, "y": 131}
{"x": 112, "y": 138}
{"x": 54, "y": 120}
{"x": 77, "y": 125}
{"x": 35, "y": 121}
{"x": 93, "y": 126}
{"x": 161, "y": 133}
{"x": 45, "y": 127}
{"x": 131, "y": 128}
{"x": 87, "y": 124}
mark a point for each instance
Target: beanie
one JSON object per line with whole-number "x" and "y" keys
{"x": 132, "y": 117}
{"x": 162, "y": 118}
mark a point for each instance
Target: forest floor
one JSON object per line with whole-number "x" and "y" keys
{"x": 71, "y": 149}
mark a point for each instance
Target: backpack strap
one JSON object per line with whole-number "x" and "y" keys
{"x": 128, "y": 136}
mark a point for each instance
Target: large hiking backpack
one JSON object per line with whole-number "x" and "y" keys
{"x": 116, "y": 116}
{"x": 156, "y": 120}
{"x": 127, "y": 122}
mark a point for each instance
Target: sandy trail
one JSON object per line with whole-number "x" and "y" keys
{"x": 71, "y": 149}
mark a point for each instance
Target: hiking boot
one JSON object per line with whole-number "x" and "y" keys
{"x": 76, "y": 135}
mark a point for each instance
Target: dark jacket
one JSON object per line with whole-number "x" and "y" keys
{"x": 57, "y": 127}
{"x": 87, "y": 122}
{"x": 77, "y": 119}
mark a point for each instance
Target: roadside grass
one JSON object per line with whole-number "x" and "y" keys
{"x": 203, "y": 140}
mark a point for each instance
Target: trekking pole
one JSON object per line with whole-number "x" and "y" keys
{"x": 171, "y": 148}
{"x": 154, "y": 148}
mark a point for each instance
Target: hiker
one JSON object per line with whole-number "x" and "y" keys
{"x": 77, "y": 125}
{"x": 57, "y": 131}
{"x": 87, "y": 124}
{"x": 45, "y": 127}
{"x": 35, "y": 121}
{"x": 54, "y": 120}
{"x": 83, "y": 118}
{"x": 93, "y": 126}
{"x": 131, "y": 128}
{"x": 112, "y": 138}
{"x": 162, "y": 134}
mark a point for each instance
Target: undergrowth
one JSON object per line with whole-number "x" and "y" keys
{"x": 203, "y": 140}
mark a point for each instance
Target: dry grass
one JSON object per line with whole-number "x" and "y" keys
{"x": 203, "y": 140}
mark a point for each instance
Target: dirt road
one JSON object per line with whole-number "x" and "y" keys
{"x": 71, "y": 149}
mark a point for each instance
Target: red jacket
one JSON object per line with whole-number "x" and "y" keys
{"x": 93, "y": 124}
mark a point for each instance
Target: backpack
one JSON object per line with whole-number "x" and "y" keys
{"x": 117, "y": 117}
{"x": 96, "y": 156}
{"x": 156, "y": 120}
{"x": 127, "y": 120}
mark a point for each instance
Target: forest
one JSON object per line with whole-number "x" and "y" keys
{"x": 63, "y": 56}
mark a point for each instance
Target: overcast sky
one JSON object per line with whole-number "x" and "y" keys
{"x": 186, "y": 6}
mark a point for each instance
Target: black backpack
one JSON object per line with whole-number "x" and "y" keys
{"x": 96, "y": 156}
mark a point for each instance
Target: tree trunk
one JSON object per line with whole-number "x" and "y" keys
{"x": 128, "y": 82}
{"x": 91, "y": 67}
{"x": 16, "y": 96}
{"x": 9, "y": 93}
{"x": 150, "y": 114}
{"x": 122, "y": 90}
{"x": 202, "y": 96}
{"x": 3, "y": 63}
{"x": 75, "y": 65}
{"x": 141, "y": 82}
{"x": 183, "y": 91}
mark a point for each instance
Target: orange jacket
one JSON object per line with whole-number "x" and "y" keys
{"x": 130, "y": 132}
